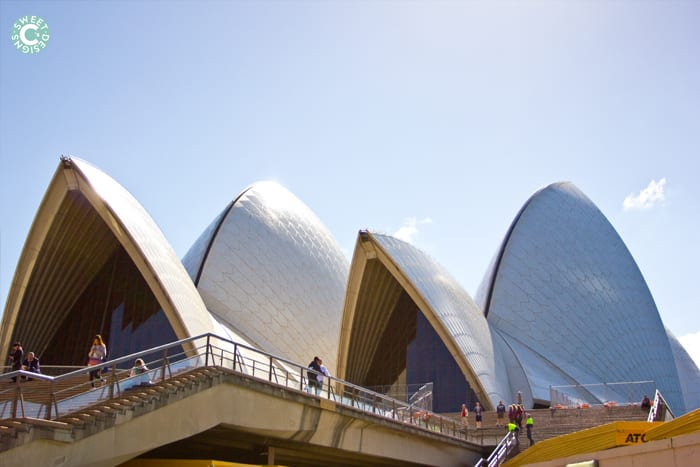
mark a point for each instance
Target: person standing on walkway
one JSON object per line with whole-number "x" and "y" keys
{"x": 529, "y": 422}
{"x": 478, "y": 411}
{"x": 500, "y": 414}
{"x": 96, "y": 355}
{"x": 511, "y": 413}
{"x": 322, "y": 376}
{"x": 465, "y": 416}
{"x": 519, "y": 416}
{"x": 15, "y": 358}
{"x": 312, "y": 375}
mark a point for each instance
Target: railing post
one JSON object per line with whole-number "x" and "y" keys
{"x": 206, "y": 355}
{"x": 269, "y": 376}
{"x": 112, "y": 380}
{"x": 235, "y": 355}
{"x": 55, "y": 405}
{"x": 19, "y": 397}
{"x": 51, "y": 397}
{"x": 164, "y": 365}
{"x": 14, "y": 403}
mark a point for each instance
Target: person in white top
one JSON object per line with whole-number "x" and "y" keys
{"x": 96, "y": 355}
{"x": 140, "y": 368}
{"x": 321, "y": 378}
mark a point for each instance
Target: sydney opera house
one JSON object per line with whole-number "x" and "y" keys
{"x": 563, "y": 304}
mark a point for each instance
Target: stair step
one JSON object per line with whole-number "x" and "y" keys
{"x": 75, "y": 421}
{"x": 86, "y": 418}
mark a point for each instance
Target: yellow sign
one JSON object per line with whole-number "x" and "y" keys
{"x": 632, "y": 432}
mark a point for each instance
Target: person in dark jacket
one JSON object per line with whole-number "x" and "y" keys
{"x": 478, "y": 411}
{"x": 313, "y": 375}
{"x": 500, "y": 414}
{"x": 31, "y": 363}
{"x": 15, "y": 357}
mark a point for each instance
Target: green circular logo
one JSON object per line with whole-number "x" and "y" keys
{"x": 30, "y": 34}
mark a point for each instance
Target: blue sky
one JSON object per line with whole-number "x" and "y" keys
{"x": 432, "y": 120}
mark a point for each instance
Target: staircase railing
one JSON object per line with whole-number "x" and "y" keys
{"x": 51, "y": 397}
{"x": 500, "y": 454}
{"x": 660, "y": 411}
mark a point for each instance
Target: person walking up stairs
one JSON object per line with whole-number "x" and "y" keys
{"x": 529, "y": 422}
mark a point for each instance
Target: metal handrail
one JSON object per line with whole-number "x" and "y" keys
{"x": 210, "y": 350}
{"x": 592, "y": 395}
{"x": 659, "y": 408}
{"x": 114, "y": 384}
{"x": 500, "y": 454}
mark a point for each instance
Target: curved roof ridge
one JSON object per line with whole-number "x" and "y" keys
{"x": 268, "y": 268}
{"x": 164, "y": 263}
{"x": 495, "y": 267}
{"x": 132, "y": 228}
{"x": 212, "y": 235}
{"x": 449, "y": 308}
{"x": 566, "y": 280}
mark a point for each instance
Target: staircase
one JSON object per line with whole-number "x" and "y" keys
{"x": 37, "y": 392}
{"x": 131, "y": 403}
{"x": 550, "y": 423}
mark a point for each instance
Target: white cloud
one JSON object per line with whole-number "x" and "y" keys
{"x": 410, "y": 228}
{"x": 691, "y": 343}
{"x": 650, "y": 196}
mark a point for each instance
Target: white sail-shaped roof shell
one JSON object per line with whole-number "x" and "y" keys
{"x": 565, "y": 289}
{"x": 688, "y": 373}
{"x": 449, "y": 309}
{"x": 134, "y": 229}
{"x": 270, "y": 272}
{"x": 453, "y": 313}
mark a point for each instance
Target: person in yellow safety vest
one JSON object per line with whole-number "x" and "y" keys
{"x": 528, "y": 424}
{"x": 513, "y": 428}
